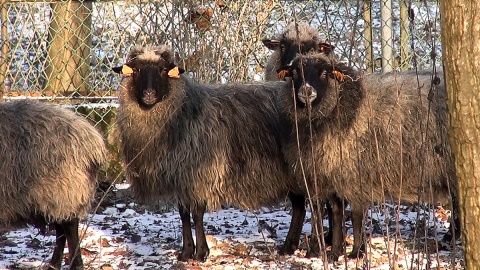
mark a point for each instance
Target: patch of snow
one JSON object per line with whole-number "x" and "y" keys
{"x": 126, "y": 236}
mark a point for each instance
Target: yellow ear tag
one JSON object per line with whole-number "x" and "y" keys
{"x": 281, "y": 74}
{"x": 126, "y": 70}
{"x": 339, "y": 75}
{"x": 174, "y": 73}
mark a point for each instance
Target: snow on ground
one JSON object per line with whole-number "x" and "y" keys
{"x": 124, "y": 235}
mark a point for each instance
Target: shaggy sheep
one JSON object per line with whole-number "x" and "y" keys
{"x": 202, "y": 146}
{"x": 48, "y": 170}
{"x": 374, "y": 138}
{"x": 299, "y": 38}
{"x": 296, "y": 39}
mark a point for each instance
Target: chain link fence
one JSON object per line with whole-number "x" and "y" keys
{"x": 62, "y": 51}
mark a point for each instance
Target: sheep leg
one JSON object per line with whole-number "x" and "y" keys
{"x": 338, "y": 236}
{"x": 329, "y": 236}
{"x": 317, "y": 220}
{"x": 454, "y": 232}
{"x": 358, "y": 236}
{"x": 57, "y": 257}
{"x": 70, "y": 229}
{"x": 298, "y": 216}
{"x": 188, "y": 247}
{"x": 202, "y": 250}
{"x": 336, "y": 229}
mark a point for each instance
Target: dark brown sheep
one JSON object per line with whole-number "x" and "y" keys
{"x": 374, "y": 138}
{"x": 49, "y": 160}
{"x": 299, "y": 38}
{"x": 202, "y": 146}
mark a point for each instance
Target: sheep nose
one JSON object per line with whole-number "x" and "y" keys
{"x": 149, "y": 96}
{"x": 307, "y": 94}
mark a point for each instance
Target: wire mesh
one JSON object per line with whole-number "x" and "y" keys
{"x": 66, "y": 48}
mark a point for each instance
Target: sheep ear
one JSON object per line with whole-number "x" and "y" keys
{"x": 271, "y": 43}
{"x": 175, "y": 71}
{"x": 338, "y": 75}
{"x": 325, "y": 48}
{"x": 125, "y": 70}
{"x": 166, "y": 56}
{"x": 284, "y": 72}
{"x": 117, "y": 70}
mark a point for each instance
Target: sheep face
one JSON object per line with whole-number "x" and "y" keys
{"x": 289, "y": 48}
{"x": 311, "y": 78}
{"x": 150, "y": 72}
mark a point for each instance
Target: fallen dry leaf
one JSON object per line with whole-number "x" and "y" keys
{"x": 119, "y": 252}
{"x": 201, "y": 18}
{"x": 104, "y": 242}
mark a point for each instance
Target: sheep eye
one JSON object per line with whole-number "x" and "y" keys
{"x": 282, "y": 47}
{"x": 323, "y": 74}
{"x": 294, "y": 73}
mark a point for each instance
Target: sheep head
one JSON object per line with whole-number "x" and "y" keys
{"x": 150, "y": 71}
{"x": 312, "y": 76}
{"x": 298, "y": 39}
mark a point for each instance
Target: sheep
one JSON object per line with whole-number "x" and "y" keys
{"x": 201, "y": 146}
{"x": 373, "y": 137}
{"x": 48, "y": 171}
{"x": 298, "y": 38}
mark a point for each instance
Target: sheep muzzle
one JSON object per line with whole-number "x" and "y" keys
{"x": 307, "y": 94}
{"x": 149, "y": 97}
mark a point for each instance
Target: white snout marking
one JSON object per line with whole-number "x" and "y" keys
{"x": 307, "y": 94}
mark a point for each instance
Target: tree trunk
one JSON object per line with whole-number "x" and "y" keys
{"x": 68, "y": 56}
{"x": 367, "y": 35}
{"x": 461, "y": 55}
{"x": 4, "y": 50}
{"x": 404, "y": 62}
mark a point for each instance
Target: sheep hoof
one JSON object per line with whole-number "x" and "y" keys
{"x": 287, "y": 250}
{"x": 333, "y": 255}
{"x": 78, "y": 267}
{"x": 185, "y": 256}
{"x": 201, "y": 257}
{"x": 311, "y": 254}
{"x": 448, "y": 237}
{"x": 355, "y": 254}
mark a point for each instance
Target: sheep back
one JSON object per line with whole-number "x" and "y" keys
{"x": 406, "y": 118}
{"x": 213, "y": 144}
{"x": 49, "y": 160}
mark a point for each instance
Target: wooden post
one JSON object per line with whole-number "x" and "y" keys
{"x": 403, "y": 62}
{"x": 387, "y": 35}
{"x": 367, "y": 32}
{"x": 4, "y": 50}
{"x": 68, "y": 59}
